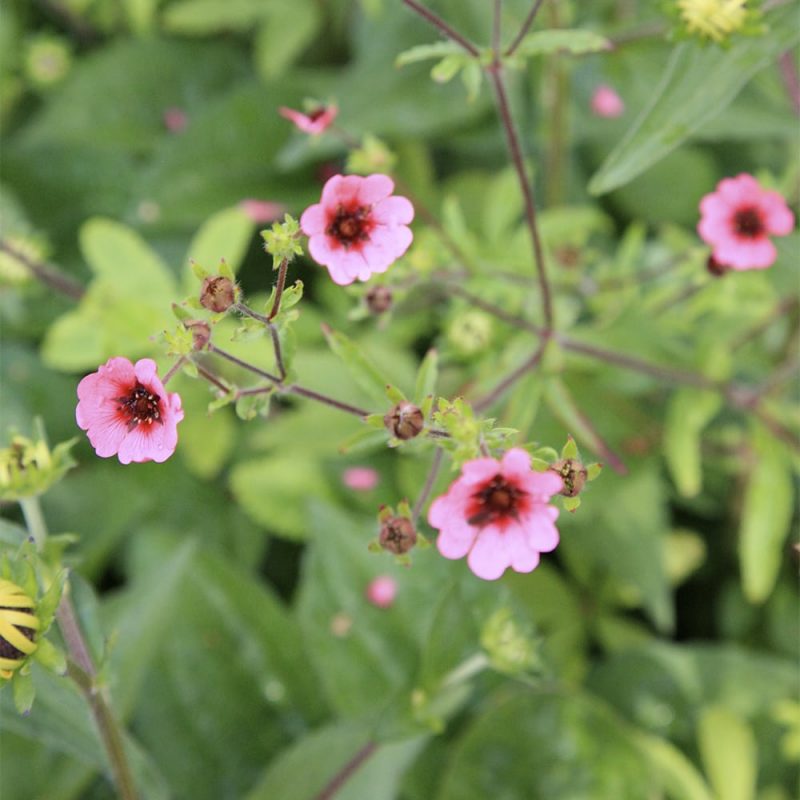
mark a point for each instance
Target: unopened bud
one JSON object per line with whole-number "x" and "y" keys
{"x": 379, "y": 299}
{"x": 404, "y": 420}
{"x": 397, "y": 535}
{"x": 217, "y": 293}
{"x": 201, "y": 333}
{"x": 716, "y": 268}
{"x": 573, "y": 473}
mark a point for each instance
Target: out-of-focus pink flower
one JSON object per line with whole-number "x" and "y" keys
{"x": 175, "y": 119}
{"x": 358, "y": 228}
{"x": 382, "y": 591}
{"x": 317, "y": 121}
{"x": 606, "y": 102}
{"x": 737, "y": 220}
{"x": 498, "y": 513}
{"x": 261, "y": 211}
{"x": 360, "y": 479}
{"x": 126, "y": 411}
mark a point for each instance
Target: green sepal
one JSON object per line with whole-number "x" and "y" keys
{"x": 570, "y": 449}
{"x": 200, "y": 272}
{"x": 394, "y": 394}
{"x": 593, "y": 470}
{"x": 426, "y": 406}
{"x": 48, "y": 602}
{"x": 250, "y": 406}
{"x": 571, "y": 503}
{"x": 180, "y": 312}
{"x": 427, "y": 376}
{"x": 547, "y": 454}
{"x": 24, "y": 692}
{"x": 374, "y": 546}
{"x": 374, "y": 420}
{"x": 225, "y": 270}
{"x": 222, "y": 401}
{"x": 404, "y": 509}
{"x": 50, "y": 656}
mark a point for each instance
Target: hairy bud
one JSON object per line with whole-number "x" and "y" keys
{"x": 217, "y": 293}
{"x": 397, "y": 535}
{"x": 404, "y": 420}
{"x": 378, "y": 299}
{"x": 201, "y": 333}
{"x": 573, "y": 473}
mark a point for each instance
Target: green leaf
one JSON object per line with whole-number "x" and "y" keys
{"x": 427, "y": 376}
{"x": 305, "y": 769}
{"x": 362, "y": 369}
{"x": 424, "y": 52}
{"x": 568, "y": 40}
{"x": 288, "y": 29}
{"x": 698, "y": 83}
{"x": 201, "y": 17}
{"x": 677, "y": 774}
{"x": 448, "y": 68}
{"x": 225, "y": 235}
{"x": 24, "y": 693}
{"x": 688, "y": 413}
{"x": 766, "y": 516}
{"x": 729, "y": 754}
{"x": 502, "y": 208}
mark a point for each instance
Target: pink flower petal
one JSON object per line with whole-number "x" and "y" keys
{"x": 742, "y": 255}
{"x": 394, "y": 210}
{"x": 374, "y": 189}
{"x": 541, "y": 533}
{"x": 479, "y": 469}
{"x": 516, "y": 463}
{"x": 524, "y": 558}
{"x": 489, "y": 557}
{"x": 779, "y": 219}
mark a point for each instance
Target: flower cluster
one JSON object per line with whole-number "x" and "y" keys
{"x": 497, "y": 514}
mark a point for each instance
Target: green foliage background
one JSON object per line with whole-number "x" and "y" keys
{"x": 213, "y": 585}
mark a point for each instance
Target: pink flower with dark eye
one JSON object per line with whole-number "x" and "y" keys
{"x": 738, "y": 219}
{"x": 607, "y": 103}
{"x": 382, "y": 591}
{"x": 126, "y": 411}
{"x": 358, "y": 228}
{"x": 316, "y": 122}
{"x": 497, "y": 514}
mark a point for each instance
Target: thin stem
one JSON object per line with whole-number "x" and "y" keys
{"x": 45, "y": 273}
{"x": 467, "y": 669}
{"x": 81, "y": 667}
{"x": 273, "y": 331}
{"x": 212, "y": 348}
{"x": 490, "y": 399}
{"x": 34, "y": 520}
{"x": 279, "y": 284}
{"x": 495, "y": 74}
{"x": 347, "y": 771}
{"x": 523, "y": 31}
{"x": 328, "y": 401}
{"x": 173, "y": 369}
{"x": 496, "y": 28}
{"x": 430, "y": 481}
{"x": 276, "y": 347}
{"x": 557, "y": 88}
{"x": 211, "y": 378}
{"x": 446, "y": 29}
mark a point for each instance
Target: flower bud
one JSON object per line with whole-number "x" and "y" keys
{"x": 397, "y": 535}
{"x": 381, "y": 591}
{"x": 378, "y": 299}
{"x": 716, "y": 268}
{"x": 217, "y": 293}
{"x": 573, "y": 473}
{"x": 18, "y": 627}
{"x": 201, "y": 333}
{"x": 404, "y": 420}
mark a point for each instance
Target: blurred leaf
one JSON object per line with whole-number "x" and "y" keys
{"x": 423, "y": 52}
{"x": 766, "y": 516}
{"x": 528, "y": 744}
{"x": 503, "y": 206}
{"x": 728, "y": 751}
{"x": 688, "y": 413}
{"x": 574, "y": 41}
{"x": 427, "y": 376}
{"x": 361, "y": 367}
{"x": 304, "y": 770}
{"x": 224, "y": 236}
{"x": 140, "y": 14}
{"x": 698, "y": 83}
{"x": 202, "y": 17}
{"x": 677, "y": 774}
{"x": 287, "y": 30}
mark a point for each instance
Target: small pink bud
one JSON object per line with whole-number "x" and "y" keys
{"x": 261, "y": 211}
{"x": 175, "y": 120}
{"x": 379, "y": 299}
{"x": 360, "y": 479}
{"x": 201, "y": 333}
{"x": 314, "y": 123}
{"x": 382, "y": 591}
{"x": 397, "y": 535}
{"x": 607, "y": 103}
{"x": 217, "y": 293}
{"x": 404, "y": 420}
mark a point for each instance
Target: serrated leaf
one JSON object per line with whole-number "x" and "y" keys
{"x": 424, "y": 52}
{"x": 766, "y": 516}
{"x": 363, "y": 370}
{"x": 729, "y": 754}
{"x": 698, "y": 83}
{"x": 568, "y": 40}
{"x": 688, "y": 413}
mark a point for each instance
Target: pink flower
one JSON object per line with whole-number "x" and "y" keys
{"x": 319, "y": 120}
{"x": 382, "y": 591}
{"x": 262, "y": 210}
{"x": 606, "y": 102}
{"x": 498, "y": 513}
{"x": 175, "y": 119}
{"x": 125, "y": 409}
{"x": 360, "y": 479}
{"x": 358, "y": 228}
{"x": 737, "y": 220}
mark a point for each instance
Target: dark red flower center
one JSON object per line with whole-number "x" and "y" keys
{"x": 316, "y": 113}
{"x": 497, "y": 502}
{"x": 140, "y": 406}
{"x": 350, "y": 226}
{"x": 748, "y": 222}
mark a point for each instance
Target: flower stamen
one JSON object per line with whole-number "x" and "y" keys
{"x": 140, "y": 406}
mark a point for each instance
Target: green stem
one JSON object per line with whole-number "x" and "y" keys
{"x": 81, "y": 667}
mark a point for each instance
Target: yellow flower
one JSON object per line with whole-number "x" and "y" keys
{"x": 18, "y": 627}
{"x": 713, "y": 19}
